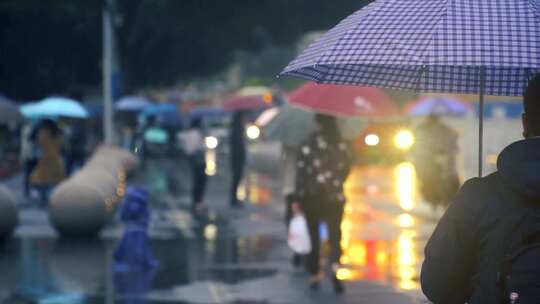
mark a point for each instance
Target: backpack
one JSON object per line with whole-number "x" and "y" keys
{"x": 518, "y": 276}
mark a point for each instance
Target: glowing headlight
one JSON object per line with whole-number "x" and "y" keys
{"x": 372, "y": 140}
{"x": 404, "y": 139}
{"x": 253, "y": 132}
{"x": 211, "y": 142}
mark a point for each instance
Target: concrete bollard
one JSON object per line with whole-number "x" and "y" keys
{"x": 8, "y": 213}
{"x": 77, "y": 209}
{"x": 81, "y": 205}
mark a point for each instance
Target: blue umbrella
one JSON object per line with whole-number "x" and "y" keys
{"x": 166, "y": 115}
{"x": 132, "y": 104}
{"x": 483, "y": 46}
{"x": 159, "y": 109}
{"x": 445, "y": 106}
{"x": 54, "y": 107}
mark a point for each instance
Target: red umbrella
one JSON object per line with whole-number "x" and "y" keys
{"x": 340, "y": 100}
{"x": 238, "y": 103}
{"x": 249, "y": 98}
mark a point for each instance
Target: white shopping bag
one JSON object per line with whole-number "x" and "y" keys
{"x": 298, "y": 239}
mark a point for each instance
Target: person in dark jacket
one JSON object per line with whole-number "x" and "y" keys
{"x": 323, "y": 165}
{"x": 435, "y": 161}
{"x": 463, "y": 256}
{"x": 237, "y": 144}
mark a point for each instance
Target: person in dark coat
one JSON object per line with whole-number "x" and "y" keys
{"x": 463, "y": 257}
{"x": 435, "y": 160}
{"x": 323, "y": 164}
{"x": 237, "y": 144}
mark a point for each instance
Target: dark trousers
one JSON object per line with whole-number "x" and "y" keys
{"x": 29, "y": 166}
{"x": 316, "y": 212}
{"x": 237, "y": 167}
{"x": 289, "y": 200}
{"x": 199, "y": 181}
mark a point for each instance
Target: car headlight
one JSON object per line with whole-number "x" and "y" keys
{"x": 372, "y": 140}
{"x": 211, "y": 142}
{"x": 253, "y": 132}
{"x": 404, "y": 139}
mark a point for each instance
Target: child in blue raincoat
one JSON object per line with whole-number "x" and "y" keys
{"x": 133, "y": 251}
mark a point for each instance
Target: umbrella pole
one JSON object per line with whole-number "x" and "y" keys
{"x": 481, "y": 123}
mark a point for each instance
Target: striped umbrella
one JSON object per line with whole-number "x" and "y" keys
{"x": 483, "y": 47}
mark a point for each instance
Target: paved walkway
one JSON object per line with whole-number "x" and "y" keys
{"x": 264, "y": 221}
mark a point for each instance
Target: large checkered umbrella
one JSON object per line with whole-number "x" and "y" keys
{"x": 462, "y": 46}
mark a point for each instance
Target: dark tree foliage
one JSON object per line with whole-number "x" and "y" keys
{"x": 54, "y": 46}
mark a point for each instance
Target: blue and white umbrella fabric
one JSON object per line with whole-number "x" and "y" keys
{"x": 132, "y": 104}
{"x": 430, "y": 46}
{"x": 443, "y": 105}
{"x": 483, "y": 46}
{"x": 54, "y": 107}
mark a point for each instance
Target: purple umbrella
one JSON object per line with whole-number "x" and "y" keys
{"x": 445, "y": 106}
{"x": 482, "y": 46}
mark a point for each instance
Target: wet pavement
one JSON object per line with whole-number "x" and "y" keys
{"x": 228, "y": 255}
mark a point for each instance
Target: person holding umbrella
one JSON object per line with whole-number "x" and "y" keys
{"x": 50, "y": 169}
{"x": 434, "y": 155}
{"x": 323, "y": 165}
{"x": 485, "y": 248}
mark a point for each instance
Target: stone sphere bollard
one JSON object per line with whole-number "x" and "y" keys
{"x": 8, "y": 213}
{"x": 82, "y": 205}
{"x": 78, "y": 209}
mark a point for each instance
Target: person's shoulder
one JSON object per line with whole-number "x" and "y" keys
{"x": 476, "y": 194}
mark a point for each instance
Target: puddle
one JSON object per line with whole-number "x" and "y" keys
{"x": 51, "y": 271}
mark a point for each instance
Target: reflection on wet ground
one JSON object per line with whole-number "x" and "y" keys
{"x": 67, "y": 271}
{"x": 383, "y": 237}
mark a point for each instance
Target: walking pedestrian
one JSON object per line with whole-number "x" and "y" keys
{"x": 237, "y": 144}
{"x": 323, "y": 165}
{"x": 435, "y": 161}
{"x": 485, "y": 248}
{"x": 195, "y": 149}
{"x": 28, "y": 155}
{"x": 50, "y": 169}
{"x": 288, "y": 160}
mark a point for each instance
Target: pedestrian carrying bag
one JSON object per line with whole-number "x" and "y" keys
{"x": 299, "y": 240}
{"x": 519, "y": 271}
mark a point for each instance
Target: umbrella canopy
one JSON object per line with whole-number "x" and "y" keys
{"x": 9, "y": 112}
{"x": 54, "y": 107}
{"x": 249, "y": 98}
{"x": 207, "y": 113}
{"x": 267, "y": 116}
{"x": 166, "y": 115}
{"x": 292, "y": 125}
{"x": 132, "y": 103}
{"x": 484, "y": 46}
{"x": 437, "y": 46}
{"x": 159, "y": 108}
{"x": 345, "y": 101}
{"x": 445, "y": 106}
